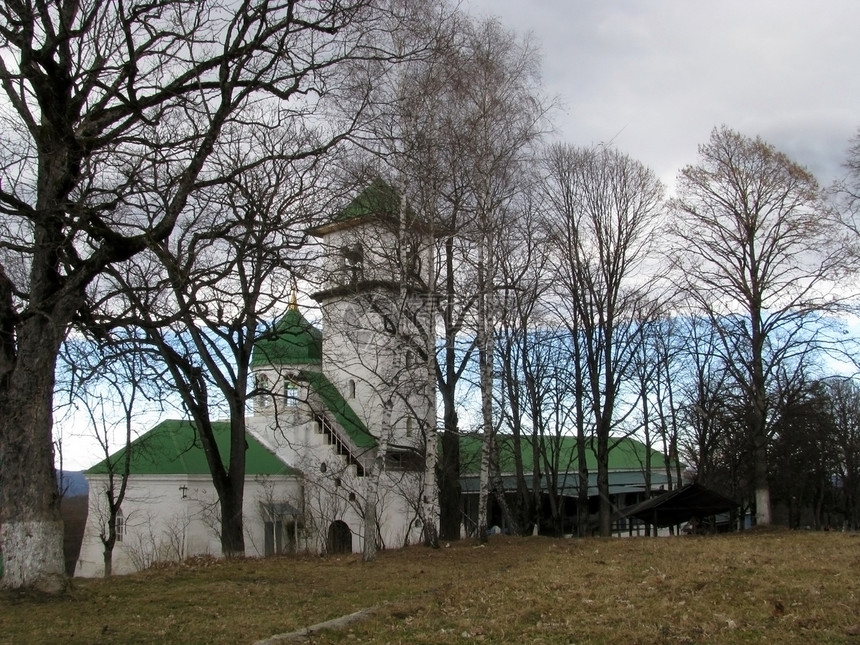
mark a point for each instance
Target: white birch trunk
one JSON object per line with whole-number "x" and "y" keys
{"x": 430, "y": 494}
{"x": 371, "y": 504}
{"x": 429, "y": 507}
{"x": 485, "y": 353}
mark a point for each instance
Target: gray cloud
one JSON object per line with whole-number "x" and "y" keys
{"x": 658, "y": 75}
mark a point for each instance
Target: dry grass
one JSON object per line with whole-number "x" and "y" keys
{"x": 776, "y": 587}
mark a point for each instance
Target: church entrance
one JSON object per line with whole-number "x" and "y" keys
{"x": 339, "y": 538}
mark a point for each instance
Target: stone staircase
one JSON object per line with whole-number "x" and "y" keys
{"x": 332, "y": 438}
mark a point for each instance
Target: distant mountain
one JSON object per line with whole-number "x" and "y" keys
{"x": 72, "y": 483}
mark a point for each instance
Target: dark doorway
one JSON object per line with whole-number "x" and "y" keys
{"x": 339, "y": 538}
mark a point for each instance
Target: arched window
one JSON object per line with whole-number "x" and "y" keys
{"x": 353, "y": 261}
{"x": 120, "y": 526}
{"x": 409, "y": 426}
{"x": 261, "y": 383}
{"x": 351, "y": 389}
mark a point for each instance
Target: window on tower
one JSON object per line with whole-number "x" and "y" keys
{"x": 353, "y": 261}
{"x": 261, "y": 384}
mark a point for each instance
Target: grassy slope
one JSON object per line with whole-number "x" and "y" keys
{"x": 758, "y": 587}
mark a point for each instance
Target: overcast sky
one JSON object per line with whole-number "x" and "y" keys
{"x": 656, "y": 76}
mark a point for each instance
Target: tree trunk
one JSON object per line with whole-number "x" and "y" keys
{"x": 449, "y": 478}
{"x": 605, "y": 509}
{"x": 31, "y": 538}
{"x": 498, "y": 486}
{"x": 429, "y": 503}
{"x": 449, "y": 470}
{"x": 107, "y": 556}
{"x": 232, "y": 524}
{"x": 763, "y": 515}
{"x": 368, "y": 553}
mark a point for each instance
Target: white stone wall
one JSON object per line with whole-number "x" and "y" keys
{"x": 173, "y": 517}
{"x": 333, "y": 489}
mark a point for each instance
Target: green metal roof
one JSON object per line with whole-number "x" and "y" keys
{"x": 292, "y": 341}
{"x": 173, "y": 448}
{"x": 628, "y": 454}
{"x": 334, "y": 402}
{"x": 378, "y": 199}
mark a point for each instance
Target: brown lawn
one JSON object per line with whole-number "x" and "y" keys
{"x": 773, "y": 587}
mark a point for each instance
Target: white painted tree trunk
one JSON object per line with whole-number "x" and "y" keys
{"x": 763, "y": 515}
{"x": 33, "y": 555}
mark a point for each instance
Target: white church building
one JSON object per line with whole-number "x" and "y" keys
{"x": 342, "y": 419}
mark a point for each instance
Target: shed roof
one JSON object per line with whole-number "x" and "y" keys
{"x": 680, "y": 505}
{"x": 173, "y": 448}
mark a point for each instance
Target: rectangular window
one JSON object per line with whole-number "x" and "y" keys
{"x": 291, "y": 393}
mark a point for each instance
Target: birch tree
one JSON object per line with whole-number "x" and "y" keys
{"x": 459, "y": 120}
{"x": 497, "y": 94}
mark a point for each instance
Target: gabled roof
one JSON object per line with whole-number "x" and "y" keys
{"x": 628, "y": 454}
{"x": 173, "y": 448}
{"x": 292, "y": 341}
{"x": 334, "y": 402}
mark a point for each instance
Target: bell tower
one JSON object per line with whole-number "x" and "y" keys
{"x": 377, "y": 316}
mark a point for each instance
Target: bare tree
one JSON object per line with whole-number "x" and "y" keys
{"x": 847, "y": 190}
{"x": 761, "y": 256}
{"x": 207, "y": 294}
{"x": 496, "y": 92}
{"x": 400, "y": 148}
{"x": 111, "y": 105}
{"x": 527, "y": 363}
{"x": 602, "y": 214}
{"x": 666, "y": 342}
{"x": 114, "y": 387}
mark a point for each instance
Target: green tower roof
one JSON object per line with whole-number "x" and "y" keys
{"x": 173, "y": 448}
{"x": 378, "y": 199}
{"x": 292, "y": 341}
